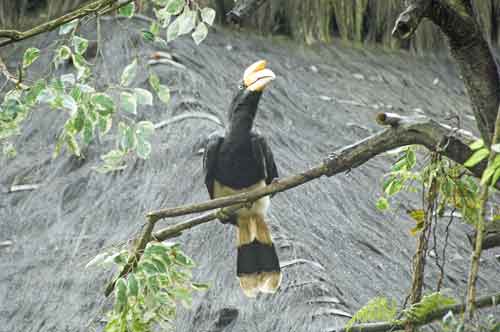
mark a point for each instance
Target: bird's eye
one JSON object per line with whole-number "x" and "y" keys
{"x": 241, "y": 87}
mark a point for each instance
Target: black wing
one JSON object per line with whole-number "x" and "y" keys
{"x": 210, "y": 161}
{"x": 262, "y": 152}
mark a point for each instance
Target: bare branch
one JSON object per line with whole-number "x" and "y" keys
{"x": 402, "y": 131}
{"x": 97, "y": 7}
{"x": 482, "y": 302}
{"x": 469, "y": 48}
{"x": 243, "y": 9}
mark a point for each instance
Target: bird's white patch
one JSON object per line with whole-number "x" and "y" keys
{"x": 259, "y": 207}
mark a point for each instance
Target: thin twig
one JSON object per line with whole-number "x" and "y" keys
{"x": 99, "y": 7}
{"x": 476, "y": 254}
{"x": 188, "y": 115}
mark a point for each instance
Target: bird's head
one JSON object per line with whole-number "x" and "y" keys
{"x": 245, "y": 102}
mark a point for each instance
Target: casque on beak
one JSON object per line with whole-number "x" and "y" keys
{"x": 257, "y": 76}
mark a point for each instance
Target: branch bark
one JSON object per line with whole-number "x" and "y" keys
{"x": 476, "y": 254}
{"x": 97, "y": 7}
{"x": 401, "y": 131}
{"x": 468, "y": 47}
{"x": 482, "y": 302}
{"x": 243, "y": 9}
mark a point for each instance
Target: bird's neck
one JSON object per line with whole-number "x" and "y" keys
{"x": 240, "y": 128}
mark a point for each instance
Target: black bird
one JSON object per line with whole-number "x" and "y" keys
{"x": 242, "y": 161}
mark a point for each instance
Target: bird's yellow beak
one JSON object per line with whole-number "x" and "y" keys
{"x": 257, "y": 76}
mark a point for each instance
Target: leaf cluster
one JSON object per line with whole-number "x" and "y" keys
{"x": 377, "y": 309}
{"x": 151, "y": 293}
{"x": 177, "y": 18}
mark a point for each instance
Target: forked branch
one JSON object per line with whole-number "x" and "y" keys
{"x": 401, "y": 131}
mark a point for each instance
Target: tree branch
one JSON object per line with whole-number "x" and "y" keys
{"x": 468, "y": 47}
{"x": 482, "y": 302}
{"x": 243, "y": 9}
{"x": 402, "y": 131}
{"x": 97, "y": 7}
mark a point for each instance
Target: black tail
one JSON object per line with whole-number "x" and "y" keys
{"x": 258, "y": 266}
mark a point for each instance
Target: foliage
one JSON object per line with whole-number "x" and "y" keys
{"x": 177, "y": 18}
{"x": 377, "y": 309}
{"x": 492, "y": 173}
{"x": 151, "y": 293}
{"x": 92, "y": 114}
{"x": 455, "y": 188}
{"x": 429, "y": 303}
{"x": 450, "y": 323}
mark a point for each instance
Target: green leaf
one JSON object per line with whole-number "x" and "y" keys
{"x": 208, "y": 15}
{"x": 129, "y": 73}
{"x": 128, "y": 10}
{"x": 419, "y": 217}
{"x": 199, "y": 286}
{"x": 411, "y": 158}
{"x": 133, "y": 285}
{"x": 164, "y": 93}
{"x": 127, "y": 137}
{"x": 495, "y": 177}
{"x": 154, "y": 81}
{"x": 80, "y": 44}
{"x": 85, "y": 88}
{"x": 69, "y": 103}
{"x": 148, "y": 36}
{"x": 68, "y": 27}
{"x": 64, "y": 52}
{"x": 477, "y": 157}
{"x": 149, "y": 268}
{"x": 30, "y": 56}
{"x": 144, "y": 129}
{"x": 428, "y": 304}
{"x": 114, "y": 157}
{"x": 187, "y": 21}
{"x": 143, "y": 149}
{"x": 144, "y": 97}
{"x": 73, "y": 144}
{"x": 394, "y": 187}
{"x": 120, "y": 295}
{"x": 88, "y": 131}
{"x": 104, "y": 103}
{"x": 477, "y": 144}
{"x": 128, "y": 102}
{"x": 487, "y": 174}
{"x": 68, "y": 80}
{"x": 377, "y": 309}
{"x": 81, "y": 65}
{"x": 163, "y": 16}
{"x": 382, "y": 204}
{"x": 200, "y": 33}
{"x": 173, "y": 30}
{"x": 104, "y": 123}
{"x": 182, "y": 259}
{"x": 154, "y": 28}
{"x": 174, "y": 7}
{"x": 9, "y": 150}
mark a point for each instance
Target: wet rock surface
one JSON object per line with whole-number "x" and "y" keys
{"x": 349, "y": 251}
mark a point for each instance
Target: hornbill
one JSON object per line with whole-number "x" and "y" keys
{"x": 240, "y": 161}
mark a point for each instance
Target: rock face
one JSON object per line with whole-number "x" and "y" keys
{"x": 340, "y": 250}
